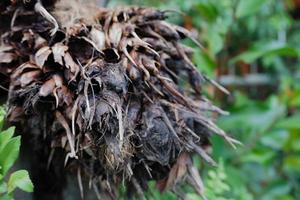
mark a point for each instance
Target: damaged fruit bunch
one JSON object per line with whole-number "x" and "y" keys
{"x": 114, "y": 88}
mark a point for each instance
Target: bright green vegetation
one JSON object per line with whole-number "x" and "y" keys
{"x": 9, "y": 152}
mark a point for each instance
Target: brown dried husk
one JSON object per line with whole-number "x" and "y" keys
{"x": 109, "y": 87}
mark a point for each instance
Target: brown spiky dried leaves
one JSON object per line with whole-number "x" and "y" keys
{"x": 109, "y": 90}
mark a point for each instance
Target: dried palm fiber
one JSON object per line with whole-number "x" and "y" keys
{"x": 108, "y": 87}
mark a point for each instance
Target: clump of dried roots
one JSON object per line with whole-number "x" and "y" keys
{"x": 108, "y": 88}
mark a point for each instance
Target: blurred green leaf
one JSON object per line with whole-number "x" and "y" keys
{"x": 204, "y": 63}
{"x": 9, "y": 154}
{"x": 276, "y": 190}
{"x": 293, "y": 144}
{"x": 6, "y": 197}
{"x": 216, "y": 183}
{"x": 292, "y": 163}
{"x": 2, "y": 111}
{"x": 265, "y": 49}
{"x": 249, "y": 7}
{"x": 208, "y": 10}
{"x": 1, "y": 121}
{"x": 193, "y": 196}
{"x": 275, "y": 139}
{"x": 294, "y": 100}
{"x": 252, "y": 118}
{"x": 215, "y": 41}
{"x": 5, "y": 137}
{"x": 20, "y": 179}
{"x": 3, "y": 187}
{"x": 292, "y": 122}
{"x": 260, "y": 156}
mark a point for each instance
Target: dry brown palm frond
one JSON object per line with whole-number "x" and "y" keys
{"x": 111, "y": 88}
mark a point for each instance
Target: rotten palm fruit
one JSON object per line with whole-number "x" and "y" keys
{"x": 109, "y": 88}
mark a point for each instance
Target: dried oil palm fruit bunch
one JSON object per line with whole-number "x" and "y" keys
{"x": 113, "y": 90}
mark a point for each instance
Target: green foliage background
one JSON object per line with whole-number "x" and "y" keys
{"x": 257, "y": 33}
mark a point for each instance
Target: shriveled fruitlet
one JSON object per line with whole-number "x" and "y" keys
{"x": 109, "y": 86}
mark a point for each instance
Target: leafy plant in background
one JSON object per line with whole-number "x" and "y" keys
{"x": 9, "y": 151}
{"x": 269, "y": 163}
{"x": 217, "y": 186}
{"x": 237, "y": 35}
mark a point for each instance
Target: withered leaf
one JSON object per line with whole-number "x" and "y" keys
{"x": 166, "y": 30}
{"x": 130, "y": 114}
{"x": 115, "y": 34}
{"x": 64, "y": 94}
{"x": 27, "y": 37}
{"x": 196, "y": 180}
{"x": 25, "y": 66}
{"x": 98, "y": 37}
{"x": 7, "y": 57}
{"x": 58, "y": 52}
{"x": 150, "y": 64}
{"x": 58, "y": 80}
{"x": 4, "y": 48}
{"x": 70, "y": 64}
{"x": 42, "y": 55}
{"x": 61, "y": 119}
{"x": 177, "y": 171}
{"x": 39, "y": 42}
{"x": 47, "y": 88}
{"x": 29, "y": 77}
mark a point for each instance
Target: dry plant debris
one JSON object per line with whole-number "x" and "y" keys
{"x": 114, "y": 88}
